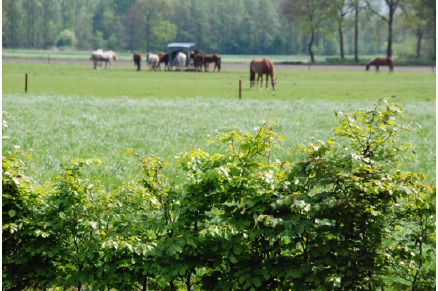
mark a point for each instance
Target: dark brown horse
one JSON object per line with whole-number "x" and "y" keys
{"x": 381, "y": 62}
{"x": 137, "y": 61}
{"x": 163, "y": 58}
{"x": 262, "y": 67}
{"x": 212, "y": 58}
{"x": 198, "y": 60}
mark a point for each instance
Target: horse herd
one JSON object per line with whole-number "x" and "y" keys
{"x": 201, "y": 59}
{"x": 178, "y": 58}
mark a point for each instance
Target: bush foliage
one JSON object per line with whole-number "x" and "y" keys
{"x": 344, "y": 216}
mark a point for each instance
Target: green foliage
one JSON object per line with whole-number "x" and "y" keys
{"x": 66, "y": 39}
{"x": 343, "y": 216}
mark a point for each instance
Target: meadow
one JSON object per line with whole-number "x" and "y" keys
{"x": 73, "y": 111}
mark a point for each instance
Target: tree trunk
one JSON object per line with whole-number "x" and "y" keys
{"x": 188, "y": 283}
{"x": 312, "y": 38}
{"x": 390, "y": 31}
{"x": 341, "y": 42}
{"x": 145, "y": 284}
{"x": 420, "y": 34}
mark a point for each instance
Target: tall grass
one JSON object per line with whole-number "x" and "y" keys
{"x": 73, "y": 111}
{"x": 59, "y": 129}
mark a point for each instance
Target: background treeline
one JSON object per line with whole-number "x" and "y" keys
{"x": 341, "y": 27}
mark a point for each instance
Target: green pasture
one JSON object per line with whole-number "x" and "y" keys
{"x": 73, "y": 111}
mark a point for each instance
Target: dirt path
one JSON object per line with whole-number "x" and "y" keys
{"x": 238, "y": 65}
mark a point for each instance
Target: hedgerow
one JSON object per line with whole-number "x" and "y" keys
{"x": 344, "y": 216}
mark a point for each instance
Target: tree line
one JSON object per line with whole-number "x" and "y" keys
{"x": 405, "y": 28}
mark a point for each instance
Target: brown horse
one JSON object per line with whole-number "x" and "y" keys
{"x": 163, "y": 58}
{"x": 381, "y": 62}
{"x": 137, "y": 60}
{"x": 262, "y": 67}
{"x": 212, "y": 58}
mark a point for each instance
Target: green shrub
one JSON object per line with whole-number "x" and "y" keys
{"x": 345, "y": 216}
{"x": 66, "y": 39}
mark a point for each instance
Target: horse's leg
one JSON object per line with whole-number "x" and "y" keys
{"x": 259, "y": 81}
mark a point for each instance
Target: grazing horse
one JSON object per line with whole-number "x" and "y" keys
{"x": 262, "y": 67}
{"x": 153, "y": 61}
{"x": 212, "y": 58}
{"x": 137, "y": 60}
{"x": 381, "y": 62}
{"x": 99, "y": 56}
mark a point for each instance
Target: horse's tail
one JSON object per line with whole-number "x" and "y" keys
{"x": 218, "y": 63}
{"x": 252, "y": 75}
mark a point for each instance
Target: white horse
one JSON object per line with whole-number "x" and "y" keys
{"x": 181, "y": 59}
{"x": 153, "y": 61}
{"x": 107, "y": 56}
{"x": 99, "y": 56}
{"x": 96, "y": 58}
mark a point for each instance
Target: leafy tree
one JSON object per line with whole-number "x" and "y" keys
{"x": 387, "y": 15}
{"x": 310, "y": 15}
{"x": 66, "y": 38}
{"x": 421, "y": 19}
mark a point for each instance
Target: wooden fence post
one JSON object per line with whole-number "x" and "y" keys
{"x": 25, "y": 83}
{"x": 240, "y": 89}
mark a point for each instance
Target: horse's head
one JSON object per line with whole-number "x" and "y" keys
{"x": 274, "y": 82}
{"x": 367, "y": 67}
{"x": 115, "y": 56}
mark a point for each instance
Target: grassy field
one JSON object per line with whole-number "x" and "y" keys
{"x": 74, "y": 111}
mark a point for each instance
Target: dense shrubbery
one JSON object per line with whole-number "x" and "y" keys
{"x": 342, "y": 217}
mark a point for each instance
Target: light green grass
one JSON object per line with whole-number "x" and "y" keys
{"x": 74, "y": 111}
{"x": 123, "y": 81}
